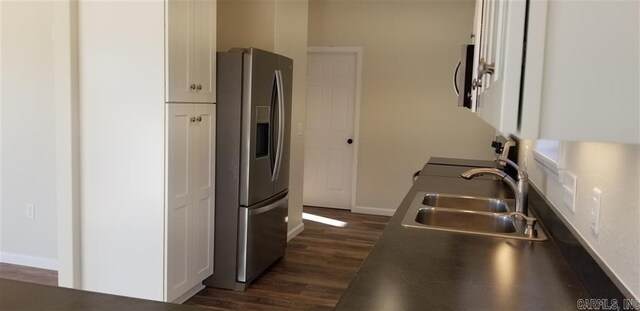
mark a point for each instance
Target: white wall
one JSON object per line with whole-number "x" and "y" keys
{"x": 1, "y": 40}
{"x": 408, "y": 108}
{"x": 67, "y": 141}
{"x": 122, "y": 146}
{"x": 615, "y": 170}
{"x": 28, "y": 134}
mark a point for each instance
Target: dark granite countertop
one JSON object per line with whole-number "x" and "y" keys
{"x": 460, "y": 162}
{"x": 418, "y": 269}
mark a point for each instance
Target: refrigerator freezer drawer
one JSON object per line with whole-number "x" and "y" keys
{"x": 262, "y": 236}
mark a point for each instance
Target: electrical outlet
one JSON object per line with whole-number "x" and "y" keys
{"x": 300, "y": 129}
{"x": 526, "y": 157}
{"x": 30, "y": 210}
{"x": 596, "y": 205}
{"x": 569, "y": 186}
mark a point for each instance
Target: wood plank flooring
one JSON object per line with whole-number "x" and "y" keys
{"x": 28, "y": 274}
{"x": 317, "y": 268}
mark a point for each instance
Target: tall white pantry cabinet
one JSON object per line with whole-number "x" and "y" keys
{"x": 146, "y": 85}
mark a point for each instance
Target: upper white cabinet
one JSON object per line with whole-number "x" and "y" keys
{"x": 565, "y": 70}
{"x": 498, "y": 64}
{"x": 191, "y": 51}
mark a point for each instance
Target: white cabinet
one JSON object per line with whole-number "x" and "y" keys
{"x": 146, "y": 179}
{"x": 191, "y": 51}
{"x": 498, "y": 58}
{"x": 190, "y": 196}
{"x": 565, "y": 70}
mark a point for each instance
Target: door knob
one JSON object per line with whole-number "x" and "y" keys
{"x": 199, "y": 119}
{"x": 193, "y": 119}
{"x": 349, "y": 141}
{"x": 199, "y": 87}
{"x": 192, "y": 86}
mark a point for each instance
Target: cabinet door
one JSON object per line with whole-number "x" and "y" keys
{"x": 477, "y": 29}
{"x": 180, "y": 192}
{"x": 179, "y": 35}
{"x": 204, "y": 200}
{"x": 500, "y": 62}
{"x": 204, "y": 50}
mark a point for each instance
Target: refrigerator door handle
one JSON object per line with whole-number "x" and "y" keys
{"x": 455, "y": 78}
{"x": 247, "y": 233}
{"x": 280, "y": 142}
{"x": 281, "y": 114}
{"x": 269, "y": 207}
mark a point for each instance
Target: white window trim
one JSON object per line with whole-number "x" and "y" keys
{"x": 543, "y": 154}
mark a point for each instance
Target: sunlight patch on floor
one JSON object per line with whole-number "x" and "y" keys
{"x": 324, "y": 220}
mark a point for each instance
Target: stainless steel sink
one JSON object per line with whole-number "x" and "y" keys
{"x": 466, "y": 203}
{"x": 460, "y": 221}
{"x": 466, "y": 214}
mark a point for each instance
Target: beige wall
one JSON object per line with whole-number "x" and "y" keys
{"x": 408, "y": 109}
{"x": 279, "y": 26}
{"x": 291, "y": 40}
{"x": 244, "y": 23}
{"x": 615, "y": 170}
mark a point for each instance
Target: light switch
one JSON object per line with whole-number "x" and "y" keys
{"x": 30, "y": 210}
{"x": 596, "y": 205}
{"x": 569, "y": 185}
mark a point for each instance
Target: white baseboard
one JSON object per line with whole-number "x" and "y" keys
{"x": 184, "y": 297}
{"x": 29, "y": 261}
{"x": 373, "y": 210}
{"x": 295, "y": 231}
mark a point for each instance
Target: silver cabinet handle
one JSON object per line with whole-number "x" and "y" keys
{"x": 199, "y": 119}
{"x": 485, "y": 68}
{"x": 199, "y": 87}
{"x": 192, "y": 86}
{"x": 193, "y": 119}
{"x": 476, "y": 83}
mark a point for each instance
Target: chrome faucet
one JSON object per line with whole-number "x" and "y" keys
{"x": 520, "y": 187}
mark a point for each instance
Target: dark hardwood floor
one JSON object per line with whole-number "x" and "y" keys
{"x": 318, "y": 266}
{"x": 28, "y": 274}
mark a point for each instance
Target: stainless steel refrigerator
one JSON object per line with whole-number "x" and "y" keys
{"x": 252, "y": 164}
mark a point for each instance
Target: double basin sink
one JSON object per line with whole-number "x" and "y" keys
{"x": 467, "y": 214}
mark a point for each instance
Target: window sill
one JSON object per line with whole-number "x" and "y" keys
{"x": 550, "y": 165}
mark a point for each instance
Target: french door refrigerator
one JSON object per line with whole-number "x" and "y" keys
{"x": 252, "y": 164}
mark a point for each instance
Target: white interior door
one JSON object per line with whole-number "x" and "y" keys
{"x": 331, "y": 102}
